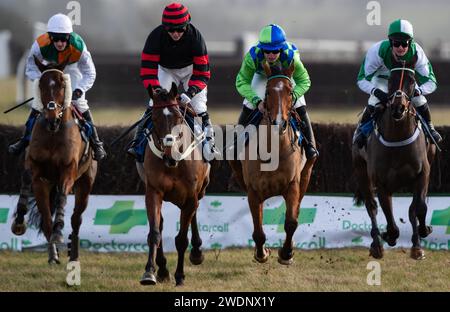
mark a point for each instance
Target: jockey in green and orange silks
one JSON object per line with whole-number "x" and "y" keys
{"x": 251, "y": 80}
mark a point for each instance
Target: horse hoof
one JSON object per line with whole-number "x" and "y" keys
{"x": 282, "y": 260}
{"x": 179, "y": 282}
{"x": 388, "y": 239}
{"x": 425, "y": 231}
{"x": 163, "y": 276}
{"x": 417, "y": 253}
{"x": 18, "y": 229}
{"x": 53, "y": 261}
{"x": 376, "y": 252}
{"x": 148, "y": 279}
{"x": 196, "y": 260}
{"x": 57, "y": 238}
{"x": 264, "y": 258}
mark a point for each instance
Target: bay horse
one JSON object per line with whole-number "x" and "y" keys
{"x": 290, "y": 179}
{"x": 397, "y": 157}
{"x": 57, "y": 161}
{"x": 177, "y": 178}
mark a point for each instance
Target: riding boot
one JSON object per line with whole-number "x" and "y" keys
{"x": 210, "y": 150}
{"x": 424, "y": 111}
{"x": 139, "y": 134}
{"x": 245, "y": 115}
{"x": 99, "y": 151}
{"x": 309, "y": 140}
{"x": 361, "y": 135}
{"x": 18, "y": 147}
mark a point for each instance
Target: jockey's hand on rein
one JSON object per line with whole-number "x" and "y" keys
{"x": 260, "y": 106}
{"x": 76, "y": 94}
{"x": 381, "y": 95}
{"x": 184, "y": 99}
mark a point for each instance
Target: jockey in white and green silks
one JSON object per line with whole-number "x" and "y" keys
{"x": 375, "y": 70}
{"x": 251, "y": 80}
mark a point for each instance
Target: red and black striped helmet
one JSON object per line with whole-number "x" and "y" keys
{"x": 176, "y": 15}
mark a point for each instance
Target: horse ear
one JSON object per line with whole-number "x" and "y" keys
{"x": 39, "y": 64}
{"x": 173, "y": 90}
{"x": 290, "y": 70}
{"x": 63, "y": 64}
{"x": 266, "y": 68}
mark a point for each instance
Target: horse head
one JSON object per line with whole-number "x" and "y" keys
{"x": 278, "y": 98}
{"x": 54, "y": 92}
{"x": 401, "y": 88}
{"x": 166, "y": 117}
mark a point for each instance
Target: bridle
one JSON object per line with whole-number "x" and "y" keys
{"x": 266, "y": 113}
{"x": 52, "y": 105}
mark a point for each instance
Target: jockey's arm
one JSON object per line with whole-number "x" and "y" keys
{"x": 31, "y": 70}
{"x": 244, "y": 80}
{"x": 87, "y": 69}
{"x": 150, "y": 57}
{"x": 201, "y": 71}
{"x": 424, "y": 73}
{"x": 372, "y": 62}
{"x": 301, "y": 78}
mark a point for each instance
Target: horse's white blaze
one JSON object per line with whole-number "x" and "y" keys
{"x": 279, "y": 88}
{"x": 166, "y": 112}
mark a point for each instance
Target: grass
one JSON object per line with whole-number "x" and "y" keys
{"x": 234, "y": 270}
{"x": 128, "y": 115}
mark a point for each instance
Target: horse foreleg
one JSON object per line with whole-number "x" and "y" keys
{"x": 256, "y": 208}
{"x": 196, "y": 257}
{"x": 392, "y": 233}
{"x": 163, "y": 274}
{"x": 418, "y": 212}
{"x": 83, "y": 187}
{"x": 153, "y": 202}
{"x": 181, "y": 240}
{"x": 305, "y": 176}
{"x": 19, "y": 226}
{"x": 292, "y": 198}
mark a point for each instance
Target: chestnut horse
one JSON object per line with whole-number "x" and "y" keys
{"x": 397, "y": 156}
{"x": 57, "y": 160}
{"x": 290, "y": 179}
{"x": 175, "y": 173}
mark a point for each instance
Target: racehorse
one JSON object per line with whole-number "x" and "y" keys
{"x": 397, "y": 156}
{"x": 57, "y": 161}
{"x": 177, "y": 178}
{"x": 290, "y": 179}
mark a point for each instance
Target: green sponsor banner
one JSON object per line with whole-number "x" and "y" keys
{"x": 121, "y": 217}
{"x": 4, "y": 215}
{"x": 277, "y": 216}
{"x": 441, "y": 217}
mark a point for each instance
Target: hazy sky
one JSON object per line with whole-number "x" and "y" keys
{"x": 116, "y": 25}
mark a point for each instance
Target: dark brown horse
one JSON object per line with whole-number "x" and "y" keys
{"x": 289, "y": 179}
{"x": 58, "y": 160}
{"x": 397, "y": 157}
{"x": 175, "y": 172}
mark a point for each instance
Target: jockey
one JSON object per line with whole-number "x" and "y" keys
{"x": 56, "y": 45}
{"x": 175, "y": 51}
{"x": 251, "y": 80}
{"x": 375, "y": 70}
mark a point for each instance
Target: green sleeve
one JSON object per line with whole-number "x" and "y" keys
{"x": 301, "y": 78}
{"x": 244, "y": 80}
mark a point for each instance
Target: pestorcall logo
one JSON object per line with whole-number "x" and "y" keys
{"x": 121, "y": 217}
{"x": 215, "y": 206}
{"x": 277, "y": 216}
{"x": 4, "y": 215}
{"x": 441, "y": 217}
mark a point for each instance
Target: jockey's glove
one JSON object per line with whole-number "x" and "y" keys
{"x": 417, "y": 92}
{"x": 184, "y": 99}
{"x": 381, "y": 95}
{"x": 76, "y": 94}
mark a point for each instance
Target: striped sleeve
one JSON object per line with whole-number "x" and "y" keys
{"x": 201, "y": 72}
{"x": 149, "y": 60}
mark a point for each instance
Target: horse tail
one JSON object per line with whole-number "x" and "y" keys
{"x": 35, "y": 219}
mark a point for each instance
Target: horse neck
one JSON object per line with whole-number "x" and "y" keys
{"x": 397, "y": 130}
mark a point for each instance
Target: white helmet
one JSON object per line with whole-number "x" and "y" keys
{"x": 60, "y": 24}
